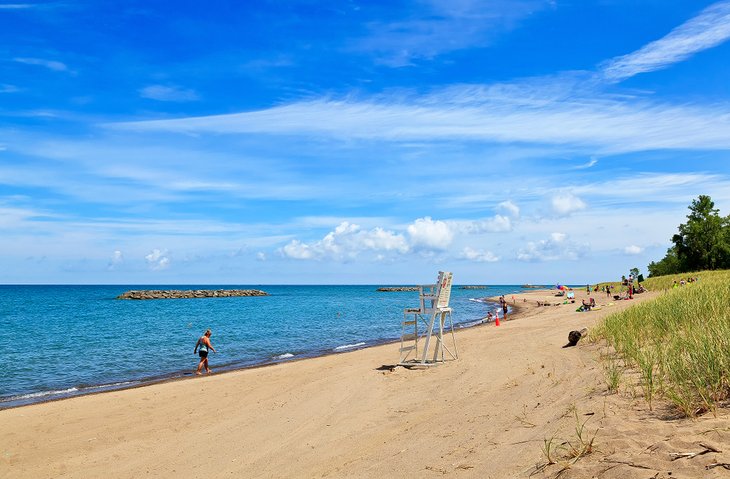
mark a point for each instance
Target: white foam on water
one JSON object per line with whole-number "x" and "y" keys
{"x": 63, "y": 392}
{"x": 284, "y": 356}
{"x": 41, "y": 394}
{"x": 110, "y": 385}
{"x": 348, "y": 346}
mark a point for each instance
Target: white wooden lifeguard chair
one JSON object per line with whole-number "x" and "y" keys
{"x": 432, "y": 313}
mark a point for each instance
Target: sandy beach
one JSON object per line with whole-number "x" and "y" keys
{"x": 488, "y": 414}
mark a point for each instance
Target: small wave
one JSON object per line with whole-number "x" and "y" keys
{"x": 479, "y": 300}
{"x": 65, "y": 392}
{"x": 40, "y": 394}
{"x": 284, "y": 356}
{"x": 110, "y": 385}
{"x": 348, "y": 346}
{"x": 469, "y": 324}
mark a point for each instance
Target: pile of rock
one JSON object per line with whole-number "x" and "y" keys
{"x": 390, "y": 289}
{"x": 196, "y": 293}
{"x": 473, "y": 287}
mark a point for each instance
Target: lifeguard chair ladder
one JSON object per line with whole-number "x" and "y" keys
{"x": 432, "y": 312}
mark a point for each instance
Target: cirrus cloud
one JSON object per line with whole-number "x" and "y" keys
{"x": 168, "y": 93}
{"x": 50, "y": 64}
{"x": 710, "y": 28}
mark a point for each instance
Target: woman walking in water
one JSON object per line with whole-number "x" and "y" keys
{"x": 202, "y": 347}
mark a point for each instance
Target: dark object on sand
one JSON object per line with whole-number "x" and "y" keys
{"x": 574, "y": 337}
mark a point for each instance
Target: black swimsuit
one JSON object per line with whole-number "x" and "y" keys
{"x": 203, "y": 350}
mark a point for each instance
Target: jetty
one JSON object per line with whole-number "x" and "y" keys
{"x": 390, "y": 289}
{"x": 472, "y": 287}
{"x": 194, "y": 293}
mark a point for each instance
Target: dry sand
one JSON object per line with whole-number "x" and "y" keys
{"x": 486, "y": 415}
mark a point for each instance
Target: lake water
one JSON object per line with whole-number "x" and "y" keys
{"x": 62, "y": 341}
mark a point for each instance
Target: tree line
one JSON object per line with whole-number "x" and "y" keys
{"x": 702, "y": 243}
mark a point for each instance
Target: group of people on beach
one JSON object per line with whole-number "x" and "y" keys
{"x": 503, "y": 305}
{"x": 682, "y": 282}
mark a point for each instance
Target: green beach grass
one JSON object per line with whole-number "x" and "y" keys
{"x": 679, "y": 343}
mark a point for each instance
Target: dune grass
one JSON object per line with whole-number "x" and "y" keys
{"x": 680, "y": 342}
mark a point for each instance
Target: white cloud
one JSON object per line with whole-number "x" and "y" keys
{"x": 585, "y": 166}
{"x": 168, "y": 93}
{"x": 430, "y": 234}
{"x": 298, "y": 250}
{"x": 557, "y": 247}
{"x": 5, "y": 88}
{"x": 116, "y": 259}
{"x": 633, "y": 250}
{"x": 157, "y": 260}
{"x": 481, "y": 256}
{"x": 349, "y": 240}
{"x": 667, "y": 187}
{"x": 260, "y": 256}
{"x": 440, "y": 26}
{"x": 710, "y": 28}
{"x": 595, "y": 122}
{"x": 346, "y": 242}
{"x": 509, "y": 208}
{"x": 495, "y": 224}
{"x": 50, "y": 64}
{"x": 566, "y": 203}
{"x": 15, "y": 6}
{"x": 12, "y": 218}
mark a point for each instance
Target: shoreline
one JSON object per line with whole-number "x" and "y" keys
{"x": 486, "y": 414}
{"x": 80, "y": 391}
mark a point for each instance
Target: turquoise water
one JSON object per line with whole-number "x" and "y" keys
{"x": 62, "y": 341}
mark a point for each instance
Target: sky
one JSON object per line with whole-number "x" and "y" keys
{"x": 356, "y": 142}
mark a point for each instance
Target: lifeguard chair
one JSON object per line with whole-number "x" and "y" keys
{"x": 427, "y": 320}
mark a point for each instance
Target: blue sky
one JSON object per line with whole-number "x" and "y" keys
{"x": 378, "y": 142}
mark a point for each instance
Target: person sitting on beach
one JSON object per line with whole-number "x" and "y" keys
{"x": 202, "y": 347}
{"x": 587, "y": 305}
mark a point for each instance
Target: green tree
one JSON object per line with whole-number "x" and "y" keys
{"x": 668, "y": 265}
{"x": 702, "y": 242}
{"x": 635, "y": 272}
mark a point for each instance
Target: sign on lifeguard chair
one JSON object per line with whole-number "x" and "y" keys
{"x": 431, "y": 314}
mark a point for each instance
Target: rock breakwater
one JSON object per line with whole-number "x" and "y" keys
{"x": 390, "y": 289}
{"x": 195, "y": 293}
